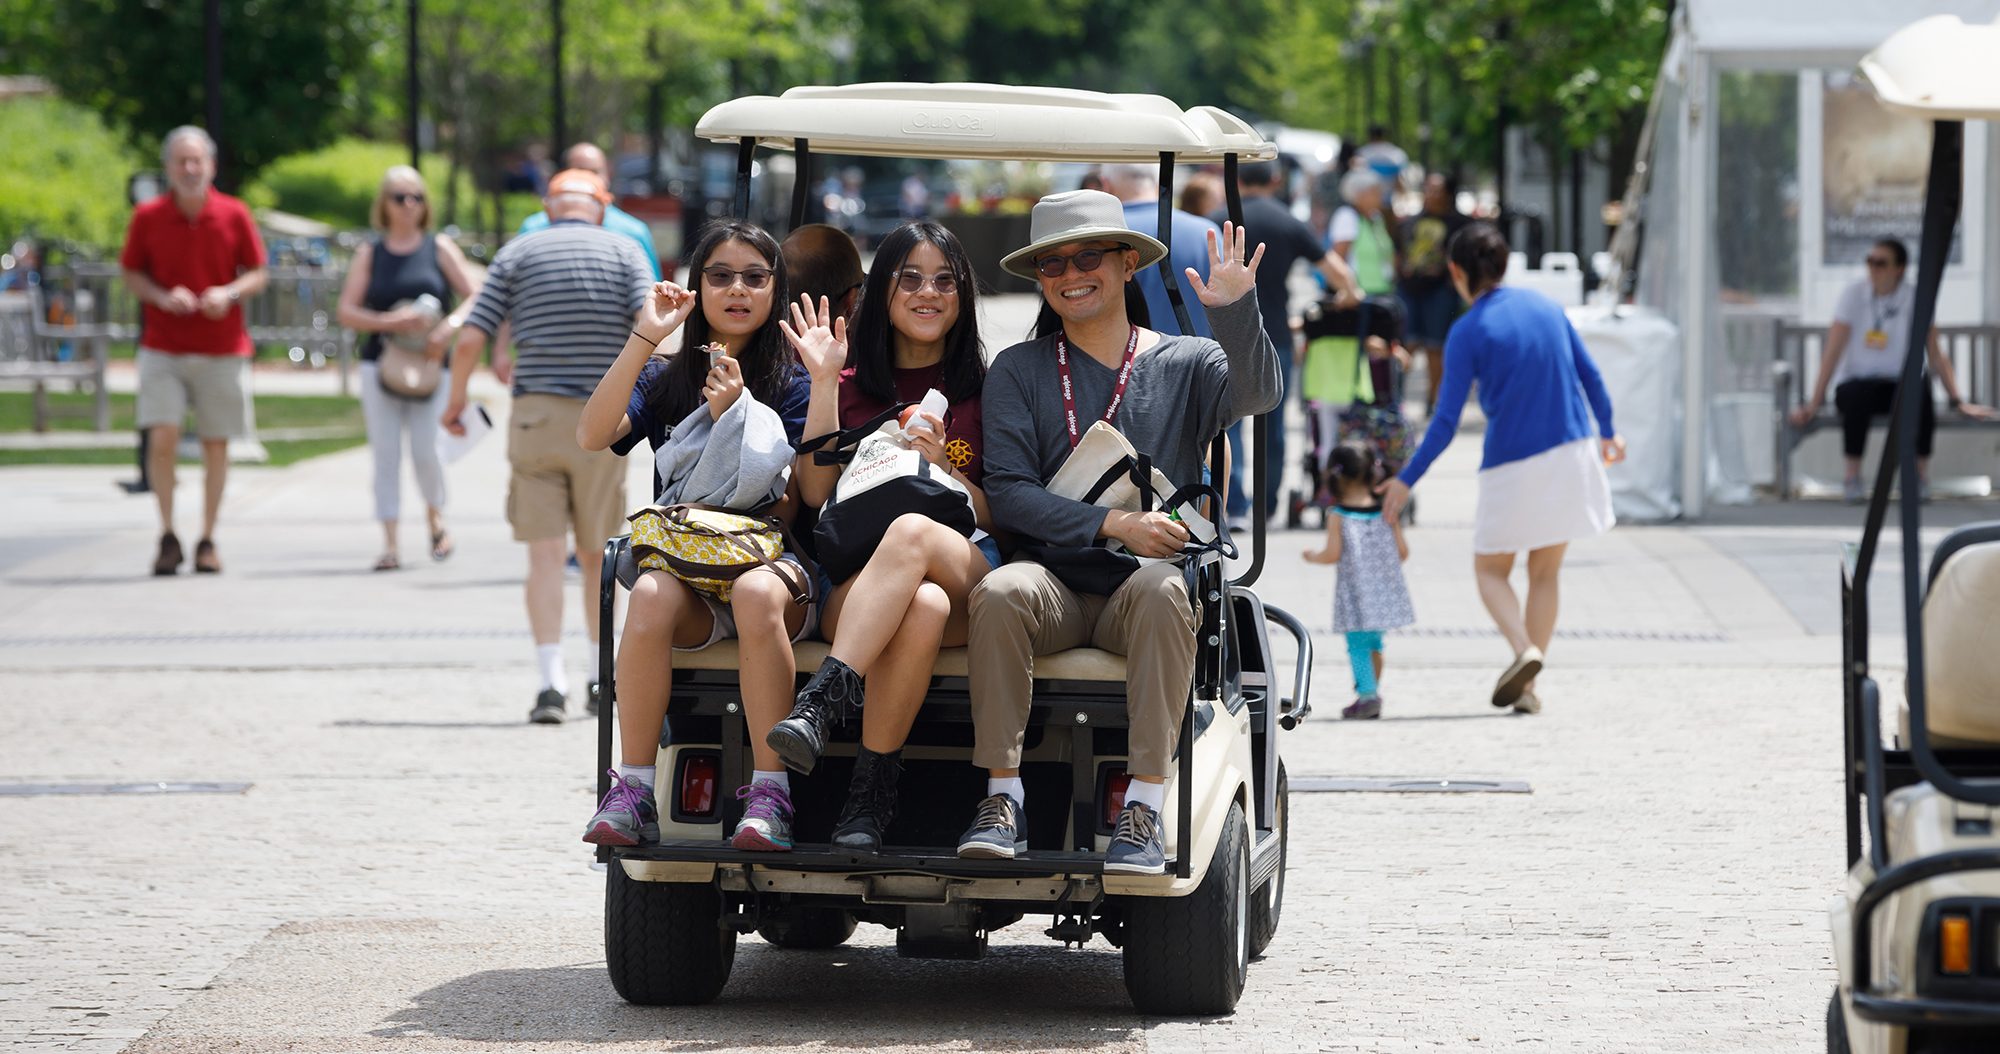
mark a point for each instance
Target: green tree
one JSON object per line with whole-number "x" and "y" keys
{"x": 139, "y": 64}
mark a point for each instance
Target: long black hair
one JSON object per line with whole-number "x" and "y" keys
{"x": 870, "y": 343}
{"x": 767, "y": 362}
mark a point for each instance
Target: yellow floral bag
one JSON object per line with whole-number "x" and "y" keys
{"x": 709, "y": 547}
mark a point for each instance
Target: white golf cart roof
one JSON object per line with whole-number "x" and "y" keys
{"x": 1939, "y": 69}
{"x": 997, "y": 121}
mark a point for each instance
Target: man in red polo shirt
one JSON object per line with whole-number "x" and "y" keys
{"x": 190, "y": 256}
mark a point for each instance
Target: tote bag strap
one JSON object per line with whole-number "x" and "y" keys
{"x": 845, "y": 442}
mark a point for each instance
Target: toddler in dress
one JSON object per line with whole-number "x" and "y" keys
{"x": 1369, "y": 594}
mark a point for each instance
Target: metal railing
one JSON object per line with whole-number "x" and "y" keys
{"x": 1973, "y": 351}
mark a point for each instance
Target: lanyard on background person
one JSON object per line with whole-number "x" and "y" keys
{"x": 1069, "y": 389}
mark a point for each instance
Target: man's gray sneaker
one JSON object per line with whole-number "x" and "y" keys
{"x": 549, "y": 707}
{"x": 1137, "y": 846}
{"x": 997, "y": 832}
{"x": 627, "y": 816}
{"x": 1851, "y": 492}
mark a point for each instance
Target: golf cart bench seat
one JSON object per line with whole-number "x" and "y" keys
{"x": 1076, "y": 664}
{"x": 1961, "y": 631}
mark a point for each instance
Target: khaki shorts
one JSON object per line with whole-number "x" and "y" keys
{"x": 217, "y": 385}
{"x": 556, "y": 484}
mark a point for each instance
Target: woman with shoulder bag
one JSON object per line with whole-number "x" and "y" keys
{"x": 730, "y": 346}
{"x": 396, "y": 291}
{"x": 916, "y": 329}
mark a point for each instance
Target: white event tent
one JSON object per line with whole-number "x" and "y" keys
{"x": 1771, "y": 169}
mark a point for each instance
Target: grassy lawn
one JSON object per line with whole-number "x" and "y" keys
{"x": 17, "y": 414}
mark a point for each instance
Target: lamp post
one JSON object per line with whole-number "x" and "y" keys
{"x": 556, "y": 84}
{"x": 211, "y": 26}
{"x": 416, "y": 155}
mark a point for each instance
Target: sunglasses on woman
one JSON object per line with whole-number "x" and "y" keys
{"x": 944, "y": 282}
{"x": 407, "y": 199}
{"x": 1088, "y": 260}
{"x": 720, "y": 277}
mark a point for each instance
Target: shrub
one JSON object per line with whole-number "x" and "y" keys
{"x": 62, "y": 174}
{"x": 336, "y": 184}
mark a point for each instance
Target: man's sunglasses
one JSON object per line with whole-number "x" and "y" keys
{"x": 944, "y": 282}
{"x": 1087, "y": 260}
{"x": 407, "y": 199}
{"x": 1880, "y": 261}
{"x": 720, "y": 277}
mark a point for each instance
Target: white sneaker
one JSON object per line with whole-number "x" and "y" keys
{"x": 1527, "y": 704}
{"x": 1515, "y": 680}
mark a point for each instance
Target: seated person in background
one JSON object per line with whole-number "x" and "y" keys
{"x": 740, "y": 277}
{"x": 1169, "y": 396}
{"x": 917, "y": 329}
{"x": 821, "y": 263}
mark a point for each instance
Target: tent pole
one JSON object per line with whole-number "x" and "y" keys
{"x": 1696, "y": 232}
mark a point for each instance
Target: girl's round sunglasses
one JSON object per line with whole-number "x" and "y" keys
{"x": 719, "y": 277}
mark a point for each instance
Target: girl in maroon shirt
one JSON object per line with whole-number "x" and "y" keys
{"x": 916, "y": 328}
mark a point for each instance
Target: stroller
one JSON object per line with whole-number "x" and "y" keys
{"x": 1368, "y": 406}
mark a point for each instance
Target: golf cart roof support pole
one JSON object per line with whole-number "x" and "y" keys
{"x": 1166, "y": 233}
{"x": 801, "y": 180}
{"x": 607, "y": 602}
{"x": 1942, "y": 197}
{"x": 1184, "y": 821}
{"x": 1218, "y": 456}
{"x": 1261, "y": 425}
{"x": 746, "y": 151}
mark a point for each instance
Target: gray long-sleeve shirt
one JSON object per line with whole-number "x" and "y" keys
{"x": 1183, "y": 391}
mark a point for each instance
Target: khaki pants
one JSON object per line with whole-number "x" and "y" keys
{"x": 1021, "y": 610}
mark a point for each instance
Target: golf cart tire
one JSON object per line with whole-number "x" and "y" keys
{"x": 1267, "y": 902}
{"x": 664, "y": 944}
{"x": 806, "y": 928}
{"x": 1189, "y": 956}
{"x": 1836, "y": 1026}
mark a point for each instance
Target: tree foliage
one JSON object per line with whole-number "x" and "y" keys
{"x": 62, "y": 173}
{"x": 140, "y": 63}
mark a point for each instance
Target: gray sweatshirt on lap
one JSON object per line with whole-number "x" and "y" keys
{"x": 1183, "y": 392}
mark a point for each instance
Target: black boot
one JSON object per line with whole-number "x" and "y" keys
{"x": 833, "y": 693}
{"x": 871, "y": 802}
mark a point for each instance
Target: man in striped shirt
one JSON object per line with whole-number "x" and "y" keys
{"x": 569, "y": 293}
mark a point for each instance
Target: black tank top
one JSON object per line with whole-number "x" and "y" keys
{"x": 393, "y": 278}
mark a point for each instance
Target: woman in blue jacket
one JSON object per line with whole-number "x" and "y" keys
{"x": 1541, "y": 483}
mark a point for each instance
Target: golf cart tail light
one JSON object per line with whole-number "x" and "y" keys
{"x": 1955, "y": 944}
{"x": 1115, "y": 783}
{"x": 698, "y": 786}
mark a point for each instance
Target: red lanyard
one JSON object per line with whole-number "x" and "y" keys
{"x": 1069, "y": 389}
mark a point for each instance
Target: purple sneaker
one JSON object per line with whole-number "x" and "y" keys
{"x": 627, "y": 816}
{"x": 1370, "y": 707}
{"x": 767, "y": 819}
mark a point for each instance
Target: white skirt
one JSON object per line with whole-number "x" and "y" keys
{"x": 1556, "y": 496}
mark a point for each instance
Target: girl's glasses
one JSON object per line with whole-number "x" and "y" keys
{"x": 944, "y": 282}
{"x": 407, "y": 199}
{"x": 720, "y": 277}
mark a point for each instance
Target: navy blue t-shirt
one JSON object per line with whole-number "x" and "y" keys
{"x": 647, "y": 424}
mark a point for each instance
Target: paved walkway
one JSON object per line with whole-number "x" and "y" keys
{"x": 403, "y": 872}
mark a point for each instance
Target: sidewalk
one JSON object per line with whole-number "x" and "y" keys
{"x": 404, "y": 874}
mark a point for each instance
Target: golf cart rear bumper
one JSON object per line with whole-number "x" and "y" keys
{"x": 1890, "y": 1010}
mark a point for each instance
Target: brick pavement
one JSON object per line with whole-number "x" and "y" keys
{"x": 404, "y": 873}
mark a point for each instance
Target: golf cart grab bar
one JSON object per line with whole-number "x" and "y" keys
{"x": 1301, "y": 700}
{"x": 1888, "y": 882}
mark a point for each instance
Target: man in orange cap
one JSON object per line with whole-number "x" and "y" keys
{"x": 569, "y": 293}
{"x": 588, "y": 157}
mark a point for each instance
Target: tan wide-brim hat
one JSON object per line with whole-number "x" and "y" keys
{"x": 1078, "y": 216}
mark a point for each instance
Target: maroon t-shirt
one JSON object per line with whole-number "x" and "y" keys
{"x": 961, "y": 421}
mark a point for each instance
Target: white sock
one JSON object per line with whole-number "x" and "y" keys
{"x": 1011, "y": 787}
{"x": 1152, "y": 795}
{"x": 779, "y": 779}
{"x": 551, "y": 659}
{"x": 642, "y": 773}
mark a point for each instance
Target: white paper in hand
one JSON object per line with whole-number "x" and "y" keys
{"x": 477, "y": 423}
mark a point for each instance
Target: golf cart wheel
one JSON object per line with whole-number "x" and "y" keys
{"x": 1189, "y": 956}
{"x": 806, "y": 928}
{"x": 1268, "y": 900}
{"x": 1836, "y": 1026}
{"x": 663, "y": 944}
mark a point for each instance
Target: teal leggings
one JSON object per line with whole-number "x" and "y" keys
{"x": 1360, "y": 646}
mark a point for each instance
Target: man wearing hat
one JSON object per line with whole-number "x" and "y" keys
{"x": 1169, "y": 396}
{"x": 569, "y": 292}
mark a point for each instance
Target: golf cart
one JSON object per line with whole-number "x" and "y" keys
{"x": 1916, "y": 932}
{"x": 674, "y": 910}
